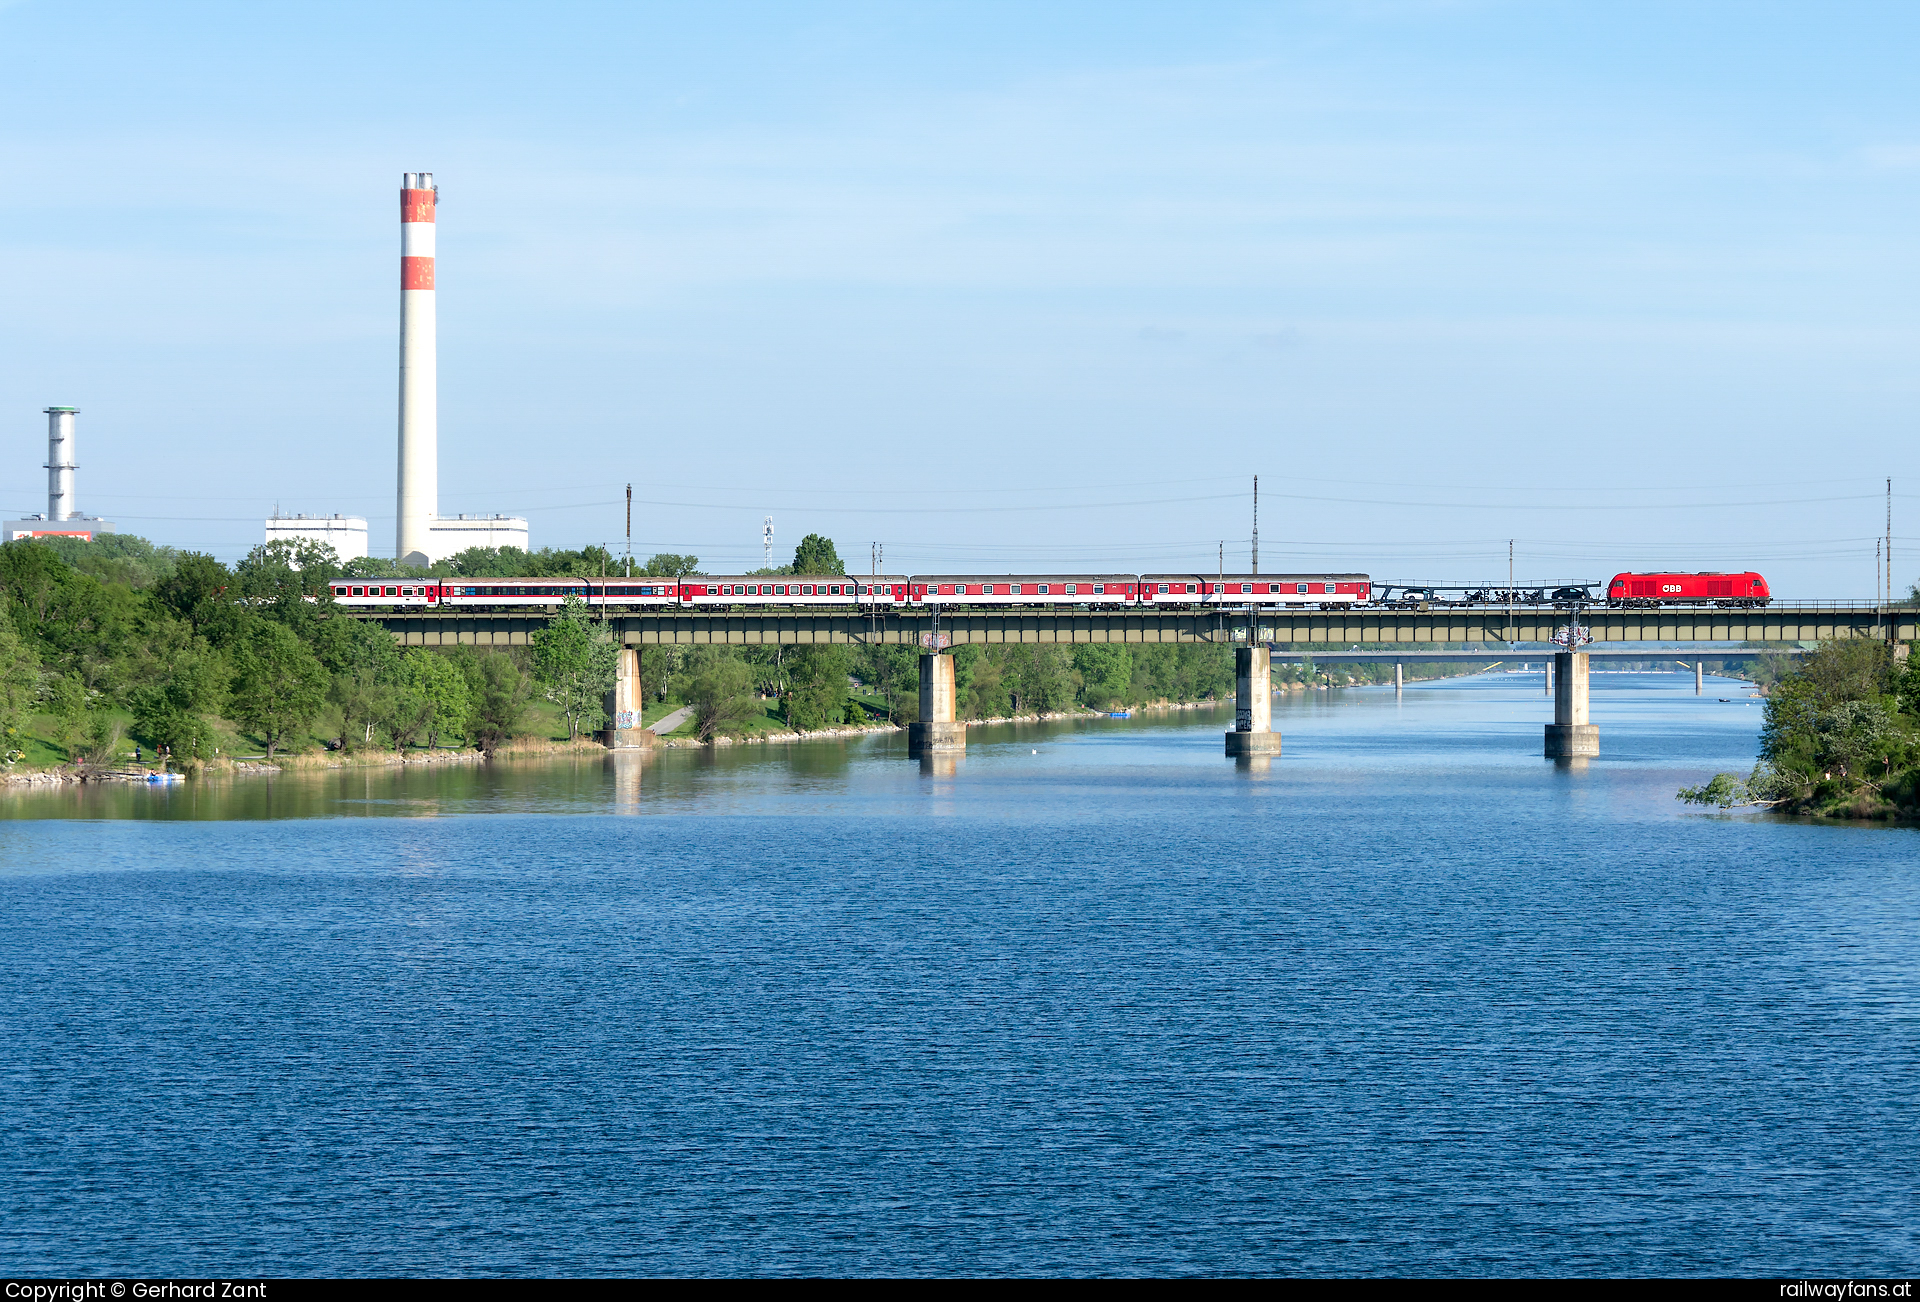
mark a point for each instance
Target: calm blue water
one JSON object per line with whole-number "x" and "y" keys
{"x": 1409, "y": 1000}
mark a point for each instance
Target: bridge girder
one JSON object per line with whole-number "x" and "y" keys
{"x": 1286, "y": 631}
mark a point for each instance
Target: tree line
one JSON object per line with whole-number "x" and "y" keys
{"x": 182, "y": 644}
{"x": 1841, "y": 738}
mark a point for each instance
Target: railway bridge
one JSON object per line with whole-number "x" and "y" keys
{"x": 1256, "y": 634}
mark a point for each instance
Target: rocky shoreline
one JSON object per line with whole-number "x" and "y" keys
{"x": 83, "y": 773}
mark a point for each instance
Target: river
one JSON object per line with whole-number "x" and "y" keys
{"x": 1095, "y": 999}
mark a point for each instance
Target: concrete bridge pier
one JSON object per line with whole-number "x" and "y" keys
{"x": 936, "y": 732}
{"x": 1570, "y": 736}
{"x": 1699, "y": 677}
{"x": 1253, "y": 732}
{"x": 1399, "y": 678}
{"x": 1546, "y": 678}
{"x": 623, "y": 705}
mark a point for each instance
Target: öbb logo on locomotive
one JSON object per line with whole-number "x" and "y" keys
{"x": 1319, "y": 591}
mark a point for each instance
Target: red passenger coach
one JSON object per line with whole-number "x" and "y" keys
{"x": 1024, "y": 589}
{"x": 758, "y": 590}
{"x": 1675, "y": 589}
{"x": 362, "y": 593}
{"x": 1322, "y": 590}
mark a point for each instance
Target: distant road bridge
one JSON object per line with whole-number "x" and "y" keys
{"x": 1520, "y": 655}
{"x": 1317, "y": 632}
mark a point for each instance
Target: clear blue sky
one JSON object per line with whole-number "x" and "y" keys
{"x": 1002, "y": 286}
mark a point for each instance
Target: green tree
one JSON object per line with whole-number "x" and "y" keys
{"x": 66, "y": 701}
{"x": 199, "y": 591}
{"x": 659, "y": 666}
{"x": 289, "y": 580}
{"x": 115, "y": 558}
{"x": 344, "y": 644}
{"x": 815, "y": 555}
{"x": 669, "y": 565}
{"x": 575, "y": 661}
{"x": 721, "y": 694}
{"x": 817, "y": 687}
{"x": 1042, "y": 678}
{"x": 512, "y": 562}
{"x": 360, "y": 700}
{"x": 1834, "y": 674}
{"x": 19, "y": 683}
{"x": 442, "y": 688}
{"x": 499, "y": 699}
{"x": 385, "y": 567}
{"x": 170, "y": 714}
{"x": 75, "y": 623}
{"x": 1106, "y": 673}
{"x": 278, "y": 685}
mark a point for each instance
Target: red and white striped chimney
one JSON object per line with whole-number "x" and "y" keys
{"x": 419, "y": 496}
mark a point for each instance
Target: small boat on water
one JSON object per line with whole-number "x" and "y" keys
{"x": 1119, "y": 714}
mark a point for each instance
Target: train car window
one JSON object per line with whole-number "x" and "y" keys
{"x": 1329, "y": 588}
{"x": 1043, "y": 587}
{"x": 1073, "y": 589}
{"x": 1300, "y": 589}
{"x": 834, "y": 591}
{"x": 1163, "y": 587}
{"x": 1246, "y": 587}
{"x": 359, "y": 592}
{"x": 1099, "y": 589}
{"x": 806, "y": 589}
{"x": 1219, "y": 588}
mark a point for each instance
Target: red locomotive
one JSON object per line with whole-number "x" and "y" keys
{"x": 1707, "y": 588}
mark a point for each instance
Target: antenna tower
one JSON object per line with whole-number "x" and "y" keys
{"x": 629, "y": 530}
{"x": 766, "y": 542}
{"x": 1256, "y": 524}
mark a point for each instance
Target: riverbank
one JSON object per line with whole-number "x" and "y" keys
{"x": 518, "y": 748}
{"x": 531, "y": 747}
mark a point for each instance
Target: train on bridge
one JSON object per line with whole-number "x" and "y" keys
{"x": 1318, "y": 591}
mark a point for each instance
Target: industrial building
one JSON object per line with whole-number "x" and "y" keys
{"x": 63, "y": 518}
{"x": 346, "y": 534}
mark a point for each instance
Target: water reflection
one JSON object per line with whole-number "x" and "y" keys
{"x": 940, "y": 764}
{"x": 627, "y": 767}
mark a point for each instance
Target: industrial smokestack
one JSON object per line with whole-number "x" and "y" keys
{"x": 419, "y": 496}
{"x": 60, "y": 463}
